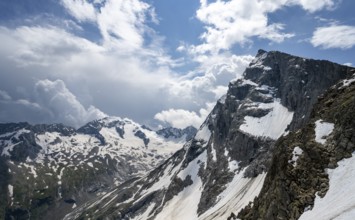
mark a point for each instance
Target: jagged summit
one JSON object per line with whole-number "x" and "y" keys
{"x": 224, "y": 166}
{"x": 297, "y": 81}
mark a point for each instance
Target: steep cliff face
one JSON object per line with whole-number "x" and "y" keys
{"x": 304, "y": 160}
{"x": 223, "y": 167}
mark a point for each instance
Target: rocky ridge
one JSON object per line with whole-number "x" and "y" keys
{"x": 294, "y": 179}
{"x": 223, "y": 168}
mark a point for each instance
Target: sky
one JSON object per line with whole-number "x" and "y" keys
{"x": 158, "y": 62}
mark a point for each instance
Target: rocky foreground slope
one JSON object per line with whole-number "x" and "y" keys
{"x": 254, "y": 140}
{"x": 313, "y": 169}
{"x": 48, "y": 170}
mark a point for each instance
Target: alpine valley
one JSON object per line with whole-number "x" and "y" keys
{"x": 278, "y": 145}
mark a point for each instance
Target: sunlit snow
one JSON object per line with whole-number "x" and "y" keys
{"x": 272, "y": 125}
{"x": 347, "y": 82}
{"x": 297, "y": 151}
{"x": 239, "y": 192}
{"x": 339, "y": 202}
{"x": 11, "y": 192}
{"x": 322, "y": 130}
{"x": 203, "y": 134}
{"x": 185, "y": 204}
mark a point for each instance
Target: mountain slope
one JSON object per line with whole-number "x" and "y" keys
{"x": 304, "y": 161}
{"x": 51, "y": 169}
{"x": 224, "y": 166}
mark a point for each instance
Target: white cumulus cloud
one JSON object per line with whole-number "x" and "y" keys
{"x": 122, "y": 23}
{"x": 127, "y": 71}
{"x": 51, "y": 101}
{"x": 80, "y": 9}
{"x": 210, "y": 81}
{"x": 63, "y": 106}
{"x": 237, "y": 21}
{"x": 315, "y": 5}
{"x": 181, "y": 118}
{"x": 336, "y": 36}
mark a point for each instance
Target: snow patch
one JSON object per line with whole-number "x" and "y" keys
{"x": 272, "y": 125}
{"x": 11, "y": 193}
{"x": 238, "y": 193}
{"x": 185, "y": 204}
{"x": 347, "y": 82}
{"x": 10, "y": 147}
{"x": 338, "y": 203}
{"x": 213, "y": 152}
{"x": 297, "y": 151}
{"x": 31, "y": 167}
{"x": 193, "y": 167}
{"x": 233, "y": 165}
{"x": 323, "y": 130}
{"x": 11, "y": 190}
{"x": 203, "y": 134}
{"x": 258, "y": 62}
{"x": 248, "y": 82}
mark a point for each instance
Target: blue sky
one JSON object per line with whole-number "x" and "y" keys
{"x": 158, "y": 62}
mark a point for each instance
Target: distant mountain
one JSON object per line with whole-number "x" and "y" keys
{"x": 272, "y": 136}
{"x": 47, "y": 170}
{"x": 176, "y": 133}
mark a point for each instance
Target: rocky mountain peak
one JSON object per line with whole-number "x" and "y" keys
{"x": 224, "y": 166}
{"x": 296, "y": 81}
{"x": 259, "y": 140}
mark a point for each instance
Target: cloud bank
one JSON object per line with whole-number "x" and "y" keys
{"x": 53, "y": 72}
{"x": 52, "y": 101}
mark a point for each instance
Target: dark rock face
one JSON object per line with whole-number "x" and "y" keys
{"x": 171, "y": 132}
{"x": 142, "y": 136}
{"x": 4, "y": 181}
{"x": 293, "y": 188}
{"x": 93, "y": 128}
{"x": 299, "y": 81}
{"x": 274, "y": 83}
{"x": 60, "y": 128}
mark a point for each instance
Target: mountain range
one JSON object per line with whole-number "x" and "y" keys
{"x": 53, "y": 168}
{"x": 278, "y": 145}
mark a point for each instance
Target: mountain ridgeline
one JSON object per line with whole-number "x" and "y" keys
{"x": 48, "y": 170}
{"x": 250, "y": 146}
{"x": 269, "y": 149}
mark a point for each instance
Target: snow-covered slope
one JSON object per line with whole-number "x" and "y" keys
{"x": 336, "y": 204}
{"x": 312, "y": 172}
{"x": 224, "y": 167}
{"x": 72, "y": 166}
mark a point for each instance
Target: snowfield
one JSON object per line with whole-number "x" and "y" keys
{"x": 339, "y": 202}
{"x": 272, "y": 125}
{"x": 236, "y": 196}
